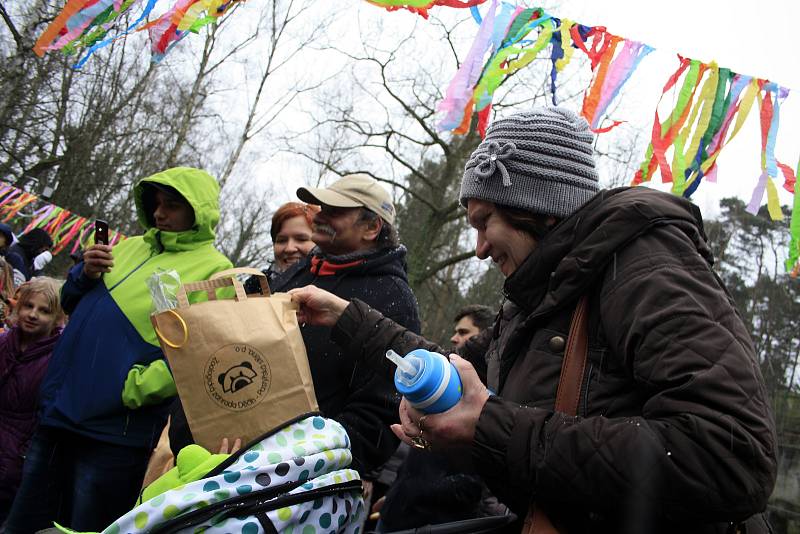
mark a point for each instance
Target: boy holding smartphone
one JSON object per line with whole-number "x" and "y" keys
{"x": 105, "y": 398}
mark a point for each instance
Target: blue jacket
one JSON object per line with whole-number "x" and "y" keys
{"x": 82, "y": 390}
{"x": 109, "y": 346}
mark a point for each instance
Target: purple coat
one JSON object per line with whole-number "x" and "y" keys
{"x": 21, "y": 374}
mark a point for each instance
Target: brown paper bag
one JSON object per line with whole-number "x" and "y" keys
{"x": 240, "y": 364}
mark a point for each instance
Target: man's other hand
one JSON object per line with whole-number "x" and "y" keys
{"x": 97, "y": 260}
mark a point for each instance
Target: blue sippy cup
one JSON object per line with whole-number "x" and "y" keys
{"x": 427, "y": 380}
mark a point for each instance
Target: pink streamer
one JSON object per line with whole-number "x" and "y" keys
{"x": 461, "y": 86}
{"x": 621, "y": 69}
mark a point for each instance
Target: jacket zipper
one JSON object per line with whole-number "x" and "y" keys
{"x": 585, "y": 392}
{"x": 150, "y": 257}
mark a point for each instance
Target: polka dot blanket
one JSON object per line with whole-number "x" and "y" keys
{"x": 292, "y": 481}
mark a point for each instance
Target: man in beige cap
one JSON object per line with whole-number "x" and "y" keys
{"x": 357, "y": 257}
{"x": 357, "y": 215}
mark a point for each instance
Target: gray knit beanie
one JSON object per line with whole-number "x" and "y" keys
{"x": 540, "y": 161}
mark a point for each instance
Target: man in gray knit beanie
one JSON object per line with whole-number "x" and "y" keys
{"x": 539, "y": 160}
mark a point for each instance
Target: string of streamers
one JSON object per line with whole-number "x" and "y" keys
{"x": 506, "y": 36}
{"x": 63, "y": 226}
{"x": 770, "y": 113}
{"x": 709, "y": 101}
{"x": 85, "y": 26}
{"x": 421, "y": 7}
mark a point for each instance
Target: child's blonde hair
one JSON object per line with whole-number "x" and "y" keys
{"x": 48, "y": 287}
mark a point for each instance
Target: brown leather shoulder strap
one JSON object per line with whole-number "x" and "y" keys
{"x": 569, "y": 384}
{"x": 568, "y": 396}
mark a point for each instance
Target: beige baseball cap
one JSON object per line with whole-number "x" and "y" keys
{"x": 352, "y": 191}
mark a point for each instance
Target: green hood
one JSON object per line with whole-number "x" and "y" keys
{"x": 200, "y": 190}
{"x": 191, "y": 253}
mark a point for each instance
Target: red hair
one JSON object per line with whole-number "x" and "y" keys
{"x": 290, "y": 210}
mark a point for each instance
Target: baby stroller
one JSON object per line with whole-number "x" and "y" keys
{"x": 286, "y": 481}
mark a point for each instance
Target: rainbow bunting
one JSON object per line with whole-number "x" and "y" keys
{"x": 505, "y": 37}
{"x": 63, "y": 226}
{"x": 421, "y": 7}
{"x": 88, "y": 25}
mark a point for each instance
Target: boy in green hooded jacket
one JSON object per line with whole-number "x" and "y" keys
{"x": 105, "y": 398}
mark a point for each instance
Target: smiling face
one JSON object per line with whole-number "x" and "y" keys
{"x": 292, "y": 242}
{"x": 171, "y": 213}
{"x": 338, "y": 231}
{"x": 497, "y": 239}
{"x": 36, "y": 318}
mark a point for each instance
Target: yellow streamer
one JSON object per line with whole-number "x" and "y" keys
{"x": 703, "y": 106}
{"x": 741, "y": 116}
{"x": 566, "y": 44}
{"x": 773, "y": 203}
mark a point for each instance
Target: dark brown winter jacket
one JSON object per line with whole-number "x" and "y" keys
{"x": 674, "y": 433}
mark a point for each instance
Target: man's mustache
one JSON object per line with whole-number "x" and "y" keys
{"x": 325, "y": 229}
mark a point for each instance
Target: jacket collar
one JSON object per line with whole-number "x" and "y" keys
{"x": 571, "y": 258}
{"x": 385, "y": 261}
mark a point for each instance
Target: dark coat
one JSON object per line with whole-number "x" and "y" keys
{"x": 674, "y": 432}
{"x": 21, "y": 374}
{"x": 21, "y": 254}
{"x": 363, "y": 401}
{"x": 19, "y": 259}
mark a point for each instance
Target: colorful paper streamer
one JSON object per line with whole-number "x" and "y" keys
{"x": 421, "y": 7}
{"x": 63, "y": 226}
{"x": 86, "y": 26}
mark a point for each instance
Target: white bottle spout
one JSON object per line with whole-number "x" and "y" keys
{"x": 405, "y": 367}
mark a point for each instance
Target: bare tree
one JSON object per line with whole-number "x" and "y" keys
{"x": 381, "y": 119}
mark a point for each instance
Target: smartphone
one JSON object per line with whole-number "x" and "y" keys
{"x": 100, "y": 232}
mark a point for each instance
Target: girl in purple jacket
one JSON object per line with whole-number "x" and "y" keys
{"x": 24, "y": 354}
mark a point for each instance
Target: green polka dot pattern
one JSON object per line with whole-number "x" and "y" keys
{"x": 315, "y": 451}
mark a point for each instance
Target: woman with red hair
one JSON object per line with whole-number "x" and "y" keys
{"x": 291, "y": 235}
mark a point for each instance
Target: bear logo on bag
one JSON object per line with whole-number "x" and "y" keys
{"x": 237, "y": 377}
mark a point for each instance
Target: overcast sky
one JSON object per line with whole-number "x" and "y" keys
{"x": 755, "y": 38}
{"x": 726, "y": 31}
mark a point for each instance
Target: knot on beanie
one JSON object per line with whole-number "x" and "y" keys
{"x": 541, "y": 161}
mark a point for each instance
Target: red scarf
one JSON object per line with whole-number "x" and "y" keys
{"x": 322, "y": 267}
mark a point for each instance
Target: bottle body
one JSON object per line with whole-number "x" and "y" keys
{"x": 436, "y": 386}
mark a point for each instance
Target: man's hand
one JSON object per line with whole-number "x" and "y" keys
{"x": 97, "y": 260}
{"x": 317, "y": 306}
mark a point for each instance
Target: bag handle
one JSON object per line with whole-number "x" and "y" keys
{"x": 262, "y": 278}
{"x": 166, "y": 341}
{"x": 210, "y": 287}
{"x": 568, "y": 396}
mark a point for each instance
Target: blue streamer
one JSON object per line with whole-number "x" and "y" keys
{"x": 107, "y": 41}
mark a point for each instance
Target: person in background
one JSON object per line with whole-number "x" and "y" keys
{"x": 6, "y": 238}
{"x": 107, "y": 391}
{"x": 24, "y": 354}
{"x": 469, "y": 321}
{"x": 291, "y": 236}
{"x": 7, "y": 290}
{"x": 673, "y": 431}
{"x": 24, "y": 255}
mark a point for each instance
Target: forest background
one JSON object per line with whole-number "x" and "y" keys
{"x": 286, "y": 93}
